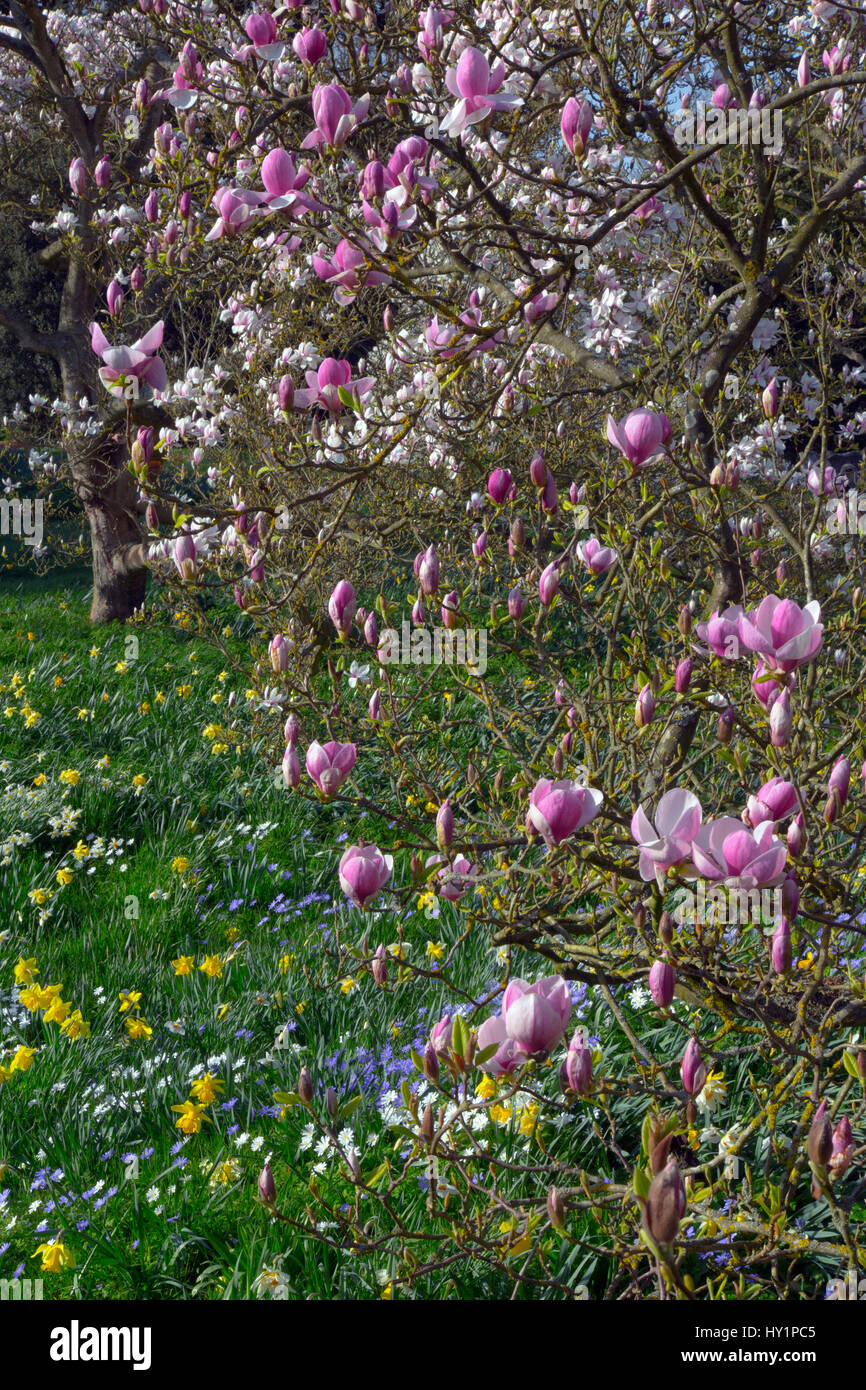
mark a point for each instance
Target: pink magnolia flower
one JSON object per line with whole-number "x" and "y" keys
{"x": 539, "y": 305}
{"x": 343, "y": 272}
{"x": 453, "y": 880}
{"x": 781, "y": 720}
{"x": 440, "y": 1037}
{"x": 725, "y": 853}
{"x": 448, "y": 339}
{"x": 478, "y": 89}
{"x": 364, "y": 870}
{"x": 311, "y": 45}
{"x": 341, "y": 607}
{"x": 559, "y": 809}
{"x": 782, "y": 632}
{"x": 645, "y": 707}
{"x": 781, "y": 952}
{"x": 537, "y": 1015}
{"x": 575, "y": 125}
{"x": 641, "y": 436}
{"x": 283, "y": 184}
{"x": 335, "y": 116}
{"x": 329, "y": 764}
{"x": 766, "y": 688}
{"x": 261, "y": 30}
{"x": 187, "y": 79}
{"x": 575, "y": 1074}
{"x": 128, "y": 368}
{"x": 498, "y": 485}
{"x": 325, "y": 383}
{"x": 722, "y": 632}
{"x": 595, "y": 556}
{"x": 770, "y": 399}
{"x": 185, "y": 557}
{"x": 548, "y": 583}
{"x": 428, "y": 571}
{"x": 662, "y": 983}
{"x": 517, "y": 605}
{"x": 432, "y": 22}
{"x": 78, "y": 176}
{"x": 279, "y": 650}
{"x": 693, "y": 1069}
{"x": 236, "y": 208}
{"x": 821, "y": 484}
{"x": 774, "y": 801}
{"x": 508, "y": 1056}
{"x": 668, "y": 843}
{"x": 396, "y": 216}
{"x": 291, "y": 767}
{"x": 723, "y": 97}
{"x": 836, "y": 59}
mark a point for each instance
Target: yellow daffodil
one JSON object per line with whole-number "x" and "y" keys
{"x": 191, "y": 1117}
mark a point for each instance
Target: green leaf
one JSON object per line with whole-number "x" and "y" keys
{"x": 348, "y": 400}
{"x": 287, "y": 1098}
{"x": 641, "y": 1183}
{"x": 459, "y": 1036}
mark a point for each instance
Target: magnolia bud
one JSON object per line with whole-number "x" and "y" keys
{"x": 427, "y": 1126}
{"x": 444, "y": 825}
{"x": 819, "y": 1144}
{"x": 556, "y": 1208}
{"x": 267, "y": 1186}
{"x": 781, "y": 720}
{"x": 431, "y": 1063}
{"x": 683, "y": 675}
{"x": 645, "y": 707}
{"x": 796, "y": 835}
{"x": 692, "y": 1068}
{"x": 662, "y": 982}
{"x": 780, "y": 948}
{"x": 379, "y": 967}
{"x": 725, "y": 727}
{"x": 665, "y": 1204}
{"x": 305, "y": 1085}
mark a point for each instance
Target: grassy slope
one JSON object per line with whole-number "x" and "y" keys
{"x": 83, "y": 1099}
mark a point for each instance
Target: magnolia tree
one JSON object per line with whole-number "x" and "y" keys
{"x": 529, "y": 449}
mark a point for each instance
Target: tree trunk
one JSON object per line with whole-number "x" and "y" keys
{"x": 109, "y": 496}
{"x": 117, "y": 590}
